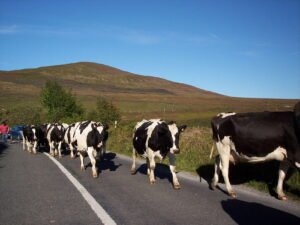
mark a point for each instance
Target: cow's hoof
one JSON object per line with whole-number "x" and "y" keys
{"x": 176, "y": 186}
{"x": 133, "y": 171}
{"x": 212, "y": 186}
{"x": 82, "y": 168}
{"x": 283, "y": 198}
{"x": 152, "y": 181}
{"x": 95, "y": 175}
{"x": 233, "y": 194}
{"x": 72, "y": 157}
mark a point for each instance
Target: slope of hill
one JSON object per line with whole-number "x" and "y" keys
{"x": 137, "y": 96}
{"x": 100, "y": 78}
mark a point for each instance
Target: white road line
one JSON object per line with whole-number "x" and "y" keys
{"x": 96, "y": 207}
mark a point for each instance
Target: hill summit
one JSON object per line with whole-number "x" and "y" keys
{"x": 100, "y": 78}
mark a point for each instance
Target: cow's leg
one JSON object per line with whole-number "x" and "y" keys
{"x": 55, "y": 148}
{"x": 71, "y": 151}
{"x": 283, "y": 169}
{"x": 151, "y": 168}
{"x": 91, "y": 151}
{"x": 148, "y": 166}
{"x": 224, "y": 151}
{"x": 29, "y": 146}
{"x": 51, "y": 145}
{"x": 172, "y": 160}
{"x": 103, "y": 151}
{"x": 24, "y": 144}
{"x": 81, "y": 161}
{"x": 59, "y": 149}
{"x": 133, "y": 167}
{"x": 215, "y": 179}
{"x": 34, "y": 147}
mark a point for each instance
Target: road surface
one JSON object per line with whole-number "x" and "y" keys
{"x": 34, "y": 190}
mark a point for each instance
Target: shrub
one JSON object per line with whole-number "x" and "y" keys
{"x": 105, "y": 112}
{"x": 60, "y": 104}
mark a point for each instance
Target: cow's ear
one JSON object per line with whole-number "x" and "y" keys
{"x": 182, "y": 128}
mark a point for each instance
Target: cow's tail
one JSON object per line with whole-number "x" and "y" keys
{"x": 212, "y": 150}
{"x": 214, "y": 128}
{"x": 297, "y": 119}
{"x": 213, "y": 147}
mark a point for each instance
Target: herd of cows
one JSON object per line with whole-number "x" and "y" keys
{"x": 238, "y": 137}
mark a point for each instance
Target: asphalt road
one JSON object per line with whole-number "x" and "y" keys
{"x": 33, "y": 190}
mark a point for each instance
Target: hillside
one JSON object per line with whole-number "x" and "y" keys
{"x": 99, "y": 78}
{"x": 136, "y": 95}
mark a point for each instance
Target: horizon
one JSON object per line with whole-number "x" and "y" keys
{"x": 246, "y": 49}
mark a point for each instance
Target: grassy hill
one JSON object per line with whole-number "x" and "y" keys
{"x": 136, "y": 95}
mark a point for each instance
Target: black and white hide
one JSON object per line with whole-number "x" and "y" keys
{"x": 156, "y": 139}
{"x": 254, "y": 138}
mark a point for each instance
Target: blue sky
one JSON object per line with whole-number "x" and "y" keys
{"x": 237, "y": 48}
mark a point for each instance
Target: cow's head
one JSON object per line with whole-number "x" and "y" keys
{"x": 59, "y": 131}
{"x": 175, "y": 133}
{"x": 33, "y": 134}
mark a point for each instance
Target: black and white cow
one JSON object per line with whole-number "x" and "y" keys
{"x": 90, "y": 137}
{"x": 55, "y": 136}
{"x": 31, "y": 136}
{"x": 69, "y": 138}
{"x": 156, "y": 138}
{"x": 254, "y": 138}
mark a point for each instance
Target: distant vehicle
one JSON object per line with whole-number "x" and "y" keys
{"x": 15, "y": 133}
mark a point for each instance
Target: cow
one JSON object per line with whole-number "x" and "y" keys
{"x": 31, "y": 136}
{"x": 256, "y": 137}
{"x": 156, "y": 138}
{"x": 90, "y": 137}
{"x": 55, "y": 136}
{"x": 69, "y": 138}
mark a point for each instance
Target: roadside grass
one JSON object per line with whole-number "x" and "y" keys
{"x": 195, "y": 145}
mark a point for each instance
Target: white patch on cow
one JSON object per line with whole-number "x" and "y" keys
{"x": 174, "y": 130}
{"x": 158, "y": 155}
{"x": 150, "y": 129}
{"x": 297, "y": 164}
{"x": 278, "y": 154}
{"x": 65, "y": 125}
{"x": 224, "y": 115}
{"x": 81, "y": 137}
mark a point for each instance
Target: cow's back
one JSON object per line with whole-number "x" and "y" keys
{"x": 257, "y": 134}
{"x": 140, "y": 137}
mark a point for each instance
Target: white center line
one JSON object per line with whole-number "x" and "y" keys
{"x": 97, "y": 208}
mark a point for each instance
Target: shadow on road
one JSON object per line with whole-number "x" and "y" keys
{"x": 3, "y": 147}
{"x": 248, "y": 213}
{"x": 106, "y": 163}
{"x": 162, "y": 171}
{"x": 244, "y": 172}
